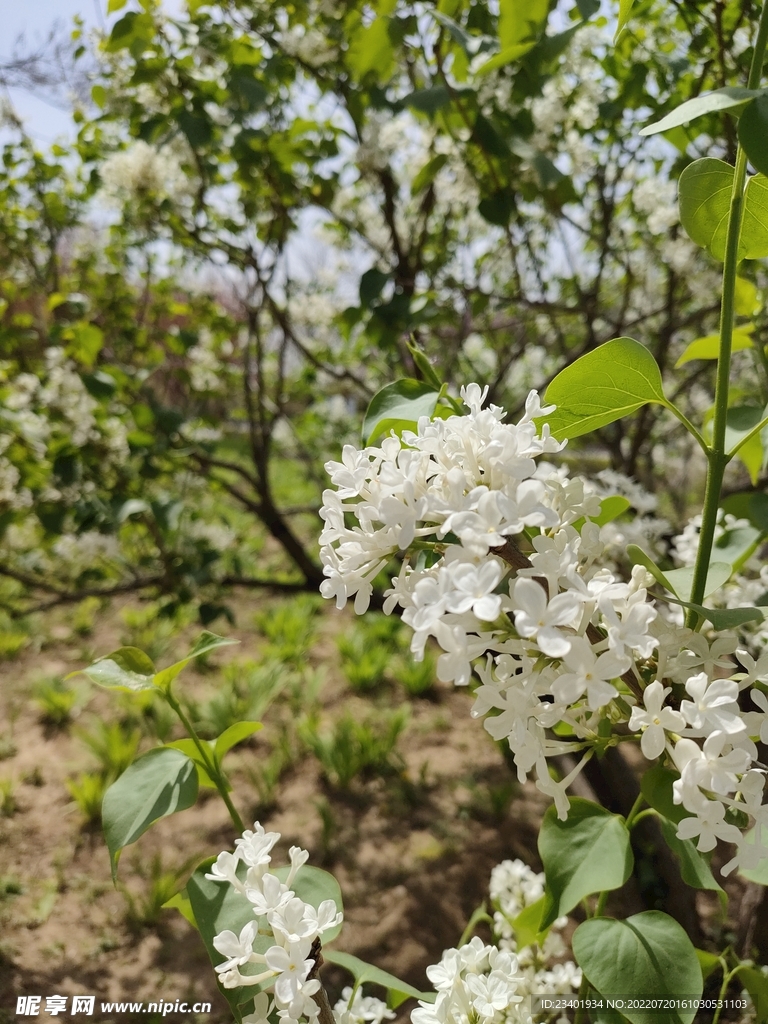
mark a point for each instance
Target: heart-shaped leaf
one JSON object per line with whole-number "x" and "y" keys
{"x": 588, "y": 852}
{"x": 398, "y": 407}
{"x": 705, "y": 188}
{"x": 646, "y": 954}
{"x": 613, "y": 381}
{"x": 157, "y": 784}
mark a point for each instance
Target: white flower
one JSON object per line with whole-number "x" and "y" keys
{"x": 271, "y": 895}
{"x": 589, "y": 672}
{"x": 292, "y": 966}
{"x": 539, "y": 618}
{"x": 708, "y": 824}
{"x": 237, "y": 948}
{"x": 655, "y": 719}
{"x": 713, "y": 706}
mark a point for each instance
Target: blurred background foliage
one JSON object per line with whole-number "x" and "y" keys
{"x": 266, "y": 202}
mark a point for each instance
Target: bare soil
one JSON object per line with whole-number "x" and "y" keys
{"x": 412, "y": 852}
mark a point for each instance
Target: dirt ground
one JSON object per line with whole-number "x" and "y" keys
{"x": 412, "y": 851}
{"x": 412, "y": 854}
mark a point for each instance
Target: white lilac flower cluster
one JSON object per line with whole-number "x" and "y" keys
{"x": 285, "y": 967}
{"x": 515, "y": 886}
{"x": 503, "y": 566}
{"x": 41, "y": 413}
{"x": 476, "y": 983}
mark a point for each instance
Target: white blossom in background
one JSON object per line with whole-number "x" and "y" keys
{"x": 495, "y": 983}
{"x": 142, "y": 170}
{"x": 360, "y": 1009}
{"x": 561, "y": 641}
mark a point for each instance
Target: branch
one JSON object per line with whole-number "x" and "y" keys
{"x": 75, "y": 596}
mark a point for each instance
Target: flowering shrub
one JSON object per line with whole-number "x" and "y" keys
{"x": 574, "y": 658}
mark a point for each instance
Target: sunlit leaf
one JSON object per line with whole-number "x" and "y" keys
{"x": 605, "y": 385}
{"x": 155, "y": 785}
{"x": 396, "y": 407}
{"x": 730, "y": 98}
{"x": 708, "y": 347}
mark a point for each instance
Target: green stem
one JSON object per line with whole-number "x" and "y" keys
{"x": 217, "y": 777}
{"x": 716, "y": 455}
{"x": 648, "y": 812}
{"x": 479, "y": 914}
{"x": 634, "y": 811}
{"x": 583, "y": 990}
{"x": 723, "y": 989}
{"x": 688, "y": 426}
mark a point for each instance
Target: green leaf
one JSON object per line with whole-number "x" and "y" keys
{"x": 646, "y": 954}
{"x": 428, "y": 101}
{"x": 656, "y": 787}
{"x": 428, "y": 172}
{"x": 728, "y": 618}
{"x": 588, "y": 852}
{"x": 519, "y": 22}
{"x": 115, "y": 5}
{"x": 681, "y": 580}
{"x": 705, "y": 197}
{"x": 637, "y": 556}
{"x": 205, "y": 643}
{"x": 730, "y": 98}
{"x": 87, "y": 342}
{"x": 756, "y": 983}
{"x": 708, "y": 962}
{"x": 157, "y": 784}
{"x": 424, "y": 366}
{"x": 625, "y": 10}
{"x": 611, "y": 508}
{"x": 187, "y": 746}
{"x": 506, "y": 56}
{"x": 371, "y": 51}
{"x": 708, "y": 347}
{"x": 753, "y": 132}
{"x": 127, "y": 668}
{"x": 398, "y": 407}
{"x": 733, "y": 545}
{"x": 181, "y": 903}
{"x": 366, "y": 973}
{"x": 217, "y": 906}
{"x": 469, "y": 44}
{"x": 371, "y": 286}
{"x": 613, "y": 381}
{"x": 233, "y": 735}
{"x": 746, "y": 298}
{"x": 740, "y": 421}
{"x": 694, "y": 866}
{"x": 749, "y": 505}
{"x": 527, "y": 925}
